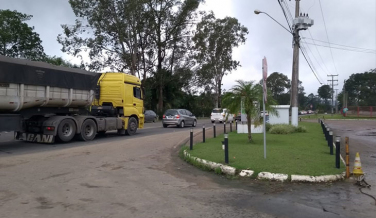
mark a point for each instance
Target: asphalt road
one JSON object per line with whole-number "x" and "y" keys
{"x": 142, "y": 176}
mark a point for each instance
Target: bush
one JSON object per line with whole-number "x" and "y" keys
{"x": 300, "y": 129}
{"x": 268, "y": 126}
{"x": 285, "y": 129}
{"x": 282, "y": 129}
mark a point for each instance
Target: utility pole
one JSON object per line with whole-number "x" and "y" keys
{"x": 332, "y": 90}
{"x": 301, "y": 22}
{"x": 336, "y": 101}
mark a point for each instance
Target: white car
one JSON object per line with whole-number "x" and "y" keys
{"x": 221, "y": 115}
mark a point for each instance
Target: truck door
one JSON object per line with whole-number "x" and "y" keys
{"x": 138, "y": 103}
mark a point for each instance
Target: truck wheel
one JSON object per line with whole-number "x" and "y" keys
{"x": 132, "y": 126}
{"x": 88, "y": 130}
{"x": 66, "y": 130}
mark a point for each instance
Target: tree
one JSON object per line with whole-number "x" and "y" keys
{"x": 324, "y": 92}
{"x": 214, "y": 41}
{"x": 142, "y": 36}
{"x": 361, "y": 88}
{"x": 279, "y": 84}
{"x": 252, "y": 96}
{"x": 17, "y": 39}
{"x": 58, "y": 61}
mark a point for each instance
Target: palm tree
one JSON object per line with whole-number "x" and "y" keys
{"x": 252, "y": 96}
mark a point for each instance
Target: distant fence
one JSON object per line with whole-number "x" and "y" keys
{"x": 361, "y": 111}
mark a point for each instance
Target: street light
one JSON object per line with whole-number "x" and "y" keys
{"x": 261, "y": 12}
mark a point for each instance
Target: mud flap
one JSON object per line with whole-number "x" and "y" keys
{"x": 31, "y": 137}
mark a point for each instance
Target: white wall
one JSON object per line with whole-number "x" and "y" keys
{"x": 283, "y": 115}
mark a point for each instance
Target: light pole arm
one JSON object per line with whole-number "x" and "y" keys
{"x": 260, "y": 12}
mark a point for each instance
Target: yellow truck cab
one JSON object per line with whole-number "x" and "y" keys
{"x": 120, "y": 95}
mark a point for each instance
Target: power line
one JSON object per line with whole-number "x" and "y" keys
{"x": 327, "y": 36}
{"x": 310, "y": 66}
{"x": 284, "y": 14}
{"x": 347, "y": 46}
{"x": 309, "y": 31}
{"x": 309, "y": 49}
{"x": 326, "y": 46}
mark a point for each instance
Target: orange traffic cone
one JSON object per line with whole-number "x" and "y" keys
{"x": 357, "y": 166}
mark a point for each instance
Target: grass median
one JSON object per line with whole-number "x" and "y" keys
{"x": 297, "y": 153}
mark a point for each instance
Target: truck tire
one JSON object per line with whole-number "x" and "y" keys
{"x": 132, "y": 126}
{"x": 88, "y": 130}
{"x": 66, "y": 130}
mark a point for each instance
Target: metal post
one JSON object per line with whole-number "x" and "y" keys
{"x": 338, "y": 141}
{"x": 224, "y": 127}
{"x": 327, "y": 133}
{"x": 347, "y": 158}
{"x": 191, "y": 140}
{"x": 226, "y": 148}
{"x": 236, "y": 125}
{"x": 358, "y": 111}
{"x": 230, "y": 126}
{"x": 203, "y": 133}
{"x": 318, "y": 120}
{"x": 214, "y": 131}
{"x": 330, "y": 142}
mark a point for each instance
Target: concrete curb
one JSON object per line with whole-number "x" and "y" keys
{"x": 212, "y": 165}
{"x": 266, "y": 175}
{"x": 327, "y": 178}
{"x": 273, "y": 176}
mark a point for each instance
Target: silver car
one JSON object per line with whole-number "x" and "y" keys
{"x": 179, "y": 117}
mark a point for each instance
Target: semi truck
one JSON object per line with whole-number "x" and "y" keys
{"x": 42, "y": 103}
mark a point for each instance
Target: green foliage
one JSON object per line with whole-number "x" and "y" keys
{"x": 361, "y": 89}
{"x": 17, "y": 39}
{"x": 214, "y": 41}
{"x": 58, "y": 61}
{"x": 324, "y": 92}
{"x": 218, "y": 171}
{"x": 284, "y": 129}
{"x": 279, "y": 84}
{"x": 252, "y": 96}
{"x": 268, "y": 126}
{"x": 300, "y": 129}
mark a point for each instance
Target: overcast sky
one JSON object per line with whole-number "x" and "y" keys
{"x": 348, "y": 22}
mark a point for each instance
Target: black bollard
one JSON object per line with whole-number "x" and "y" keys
{"x": 203, "y": 133}
{"x": 191, "y": 140}
{"x": 230, "y": 126}
{"x": 327, "y": 133}
{"x": 226, "y": 148}
{"x": 338, "y": 149}
{"x": 330, "y": 142}
{"x": 236, "y": 125}
{"x": 224, "y": 127}
{"x": 214, "y": 131}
